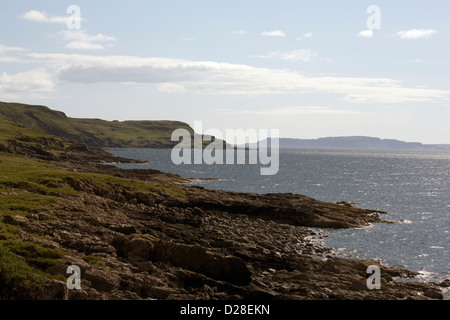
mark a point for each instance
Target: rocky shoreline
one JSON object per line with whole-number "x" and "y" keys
{"x": 196, "y": 244}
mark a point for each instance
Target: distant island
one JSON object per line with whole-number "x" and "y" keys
{"x": 358, "y": 143}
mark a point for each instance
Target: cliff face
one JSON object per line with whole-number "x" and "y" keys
{"x": 142, "y": 234}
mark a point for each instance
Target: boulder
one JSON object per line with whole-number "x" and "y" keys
{"x": 78, "y": 295}
{"x": 433, "y": 294}
{"x": 160, "y": 292}
{"x": 53, "y": 290}
{"x": 445, "y": 283}
{"x": 146, "y": 266}
{"x": 137, "y": 249}
{"x": 102, "y": 281}
{"x": 16, "y": 220}
{"x": 196, "y": 258}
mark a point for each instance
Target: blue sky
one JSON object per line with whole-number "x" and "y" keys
{"x": 310, "y": 69}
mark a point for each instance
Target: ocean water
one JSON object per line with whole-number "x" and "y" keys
{"x": 414, "y": 188}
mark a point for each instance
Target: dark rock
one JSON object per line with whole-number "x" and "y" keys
{"x": 189, "y": 279}
{"x": 89, "y": 246}
{"x": 160, "y": 293}
{"x": 433, "y": 294}
{"x": 387, "y": 277}
{"x": 196, "y": 258}
{"x": 16, "y": 220}
{"x": 57, "y": 270}
{"x": 138, "y": 249}
{"x": 80, "y": 295}
{"x": 126, "y": 229}
{"x": 256, "y": 293}
{"x": 359, "y": 285}
{"x": 146, "y": 266}
{"x": 101, "y": 281}
{"x": 43, "y": 216}
{"x": 53, "y": 290}
{"x": 78, "y": 147}
{"x": 445, "y": 283}
{"x": 198, "y": 211}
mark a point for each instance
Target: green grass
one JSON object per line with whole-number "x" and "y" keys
{"x": 9, "y": 130}
{"x": 17, "y": 278}
{"x": 30, "y": 185}
{"x": 34, "y": 253}
{"x": 93, "y": 132}
{"x": 22, "y": 268}
{"x": 7, "y": 232}
{"x": 95, "y": 260}
{"x": 33, "y": 186}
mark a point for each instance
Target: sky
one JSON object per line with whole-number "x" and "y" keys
{"x": 308, "y": 68}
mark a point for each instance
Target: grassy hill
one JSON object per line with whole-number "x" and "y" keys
{"x": 93, "y": 132}
{"x": 31, "y": 186}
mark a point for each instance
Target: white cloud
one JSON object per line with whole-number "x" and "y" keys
{"x": 308, "y": 35}
{"x": 239, "y": 32}
{"x": 82, "y": 35}
{"x": 276, "y": 33}
{"x": 81, "y": 40}
{"x": 418, "y": 61}
{"x": 365, "y": 34}
{"x": 415, "y": 34}
{"x": 291, "y": 111}
{"x": 207, "y": 77}
{"x": 7, "y": 59}
{"x": 41, "y": 16}
{"x": 5, "y": 49}
{"x": 304, "y": 55}
{"x": 81, "y": 45}
{"x": 26, "y": 82}
{"x": 10, "y": 54}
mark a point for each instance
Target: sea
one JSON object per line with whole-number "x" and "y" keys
{"x": 412, "y": 187}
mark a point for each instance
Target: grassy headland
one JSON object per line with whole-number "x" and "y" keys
{"x": 94, "y": 132}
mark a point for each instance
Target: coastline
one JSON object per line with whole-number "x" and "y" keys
{"x": 179, "y": 242}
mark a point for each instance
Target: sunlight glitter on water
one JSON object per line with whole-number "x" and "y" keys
{"x": 414, "y": 188}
